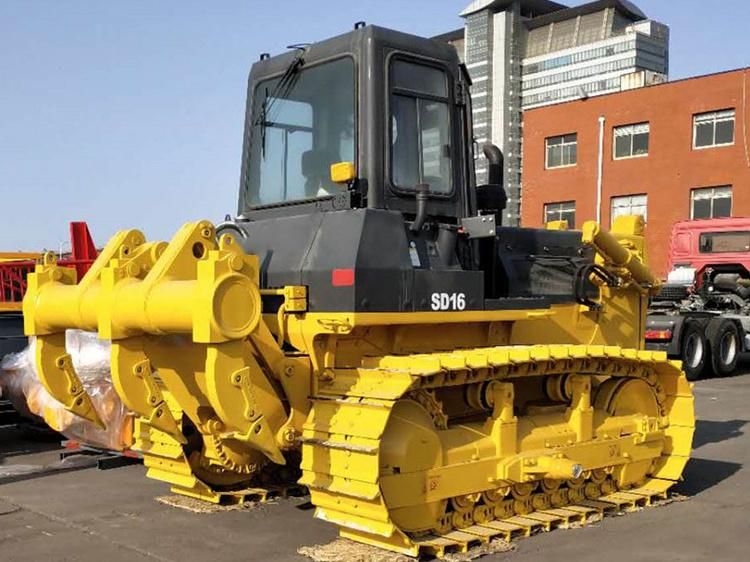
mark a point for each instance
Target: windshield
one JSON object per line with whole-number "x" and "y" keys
{"x": 301, "y": 124}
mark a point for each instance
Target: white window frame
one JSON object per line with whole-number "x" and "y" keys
{"x": 711, "y": 193}
{"x": 715, "y": 117}
{"x": 631, "y": 131}
{"x": 563, "y": 144}
{"x": 560, "y": 210}
{"x": 630, "y": 205}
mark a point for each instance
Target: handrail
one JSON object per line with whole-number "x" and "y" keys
{"x": 13, "y": 272}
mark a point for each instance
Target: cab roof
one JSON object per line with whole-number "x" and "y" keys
{"x": 354, "y": 42}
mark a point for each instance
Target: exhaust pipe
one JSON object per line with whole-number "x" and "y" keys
{"x": 495, "y": 158}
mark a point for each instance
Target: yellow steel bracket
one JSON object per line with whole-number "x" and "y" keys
{"x": 210, "y": 292}
{"x": 503, "y": 424}
{"x": 228, "y": 297}
{"x": 297, "y": 383}
{"x": 293, "y": 373}
{"x": 580, "y": 414}
{"x": 295, "y": 376}
{"x": 619, "y": 251}
{"x": 295, "y": 297}
{"x": 57, "y": 375}
{"x": 133, "y": 380}
{"x": 243, "y": 398}
{"x": 53, "y": 303}
{"x": 194, "y": 288}
{"x": 294, "y": 301}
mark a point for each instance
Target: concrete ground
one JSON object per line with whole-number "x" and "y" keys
{"x": 59, "y": 511}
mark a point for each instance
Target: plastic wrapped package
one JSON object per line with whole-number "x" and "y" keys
{"x": 20, "y": 384}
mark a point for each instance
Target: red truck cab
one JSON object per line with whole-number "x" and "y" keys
{"x": 702, "y": 314}
{"x": 722, "y": 244}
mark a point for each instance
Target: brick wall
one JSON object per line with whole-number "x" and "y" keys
{"x": 666, "y": 175}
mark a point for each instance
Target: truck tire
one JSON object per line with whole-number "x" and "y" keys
{"x": 694, "y": 349}
{"x": 724, "y": 341}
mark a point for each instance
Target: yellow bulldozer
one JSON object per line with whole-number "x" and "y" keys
{"x": 367, "y": 325}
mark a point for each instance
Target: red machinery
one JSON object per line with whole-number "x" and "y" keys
{"x": 13, "y": 272}
{"x": 702, "y": 315}
{"x": 722, "y": 244}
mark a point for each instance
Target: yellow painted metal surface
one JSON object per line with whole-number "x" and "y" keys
{"x": 623, "y": 249}
{"x": 414, "y": 432}
{"x": 19, "y": 256}
{"x": 557, "y": 225}
{"x": 343, "y": 172}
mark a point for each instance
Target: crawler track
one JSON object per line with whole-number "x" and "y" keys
{"x": 348, "y": 484}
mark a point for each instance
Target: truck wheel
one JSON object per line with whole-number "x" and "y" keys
{"x": 724, "y": 339}
{"x": 693, "y": 351}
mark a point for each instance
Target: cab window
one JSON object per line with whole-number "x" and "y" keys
{"x": 420, "y": 145}
{"x": 302, "y": 123}
{"x": 724, "y": 242}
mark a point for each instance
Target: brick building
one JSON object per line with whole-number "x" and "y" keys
{"x": 671, "y": 152}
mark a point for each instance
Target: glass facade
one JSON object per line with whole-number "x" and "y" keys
{"x": 590, "y": 88}
{"x": 578, "y": 73}
{"x": 584, "y": 55}
{"x": 589, "y": 70}
{"x": 578, "y": 57}
{"x": 478, "y": 56}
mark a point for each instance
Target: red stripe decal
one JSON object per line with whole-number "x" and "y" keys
{"x": 342, "y": 277}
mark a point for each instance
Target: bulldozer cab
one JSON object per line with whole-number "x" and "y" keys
{"x": 392, "y": 105}
{"x": 358, "y": 174}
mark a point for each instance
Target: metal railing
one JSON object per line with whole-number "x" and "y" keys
{"x": 13, "y": 273}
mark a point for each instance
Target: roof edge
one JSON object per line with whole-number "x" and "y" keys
{"x": 540, "y": 6}
{"x": 454, "y": 35}
{"x": 624, "y": 7}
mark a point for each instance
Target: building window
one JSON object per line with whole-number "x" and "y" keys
{"x": 562, "y": 151}
{"x": 565, "y": 211}
{"x": 711, "y": 202}
{"x": 631, "y": 140}
{"x": 629, "y": 205}
{"x": 713, "y": 129}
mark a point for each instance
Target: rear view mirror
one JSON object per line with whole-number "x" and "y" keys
{"x": 343, "y": 172}
{"x": 491, "y": 197}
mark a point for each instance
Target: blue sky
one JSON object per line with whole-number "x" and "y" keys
{"x": 129, "y": 114}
